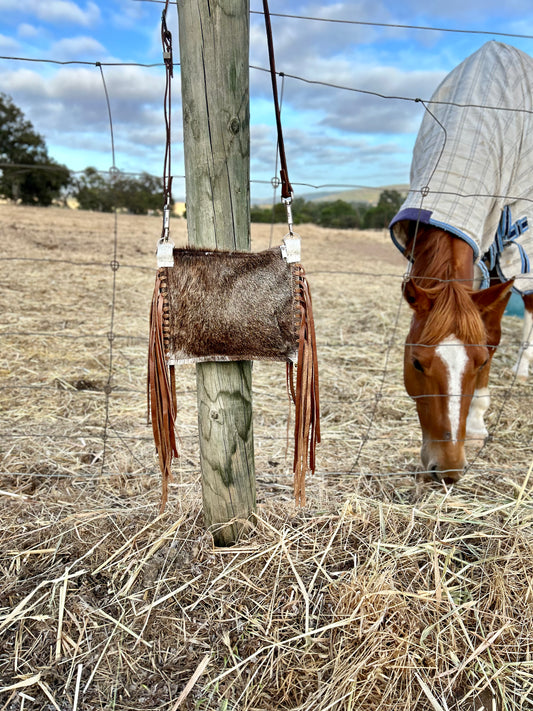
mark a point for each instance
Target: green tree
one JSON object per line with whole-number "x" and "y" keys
{"x": 380, "y": 216}
{"x": 93, "y": 191}
{"x": 338, "y": 214}
{"x": 302, "y": 211}
{"x": 28, "y": 174}
{"x": 305, "y": 211}
{"x": 139, "y": 195}
{"x": 136, "y": 194}
{"x": 275, "y": 213}
{"x": 391, "y": 199}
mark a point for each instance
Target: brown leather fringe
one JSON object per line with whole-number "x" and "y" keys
{"x": 305, "y": 395}
{"x": 161, "y": 384}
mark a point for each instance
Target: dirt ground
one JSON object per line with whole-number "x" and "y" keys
{"x": 104, "y": 605}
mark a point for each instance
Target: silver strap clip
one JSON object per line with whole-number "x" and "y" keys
{"x": 165, "y": 248}
{"x": 290, "y": 249}
{"x": 165, "y": 254}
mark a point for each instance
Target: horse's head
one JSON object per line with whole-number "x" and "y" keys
{"x": 454, "y": 333}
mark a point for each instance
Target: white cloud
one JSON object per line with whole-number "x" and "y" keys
{"x": 81, "y": 48}
{"x": 8, "y": 44}
{"x": 58, "y": 12}
{"x": 458, "y": 10}
{"x": 27, "y": 31}
{"x": 130, "y": 14}
{"x": 69, "y": 109}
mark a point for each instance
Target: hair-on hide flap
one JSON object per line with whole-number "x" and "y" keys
{"x": 219, "y": 306}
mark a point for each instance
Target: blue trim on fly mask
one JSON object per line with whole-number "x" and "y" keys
{"x": 506, "y": 234}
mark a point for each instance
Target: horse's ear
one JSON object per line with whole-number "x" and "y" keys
{"x": 417, "y": 297}
{"x": 491, "y": 304}
{"x": 494, "y": 298}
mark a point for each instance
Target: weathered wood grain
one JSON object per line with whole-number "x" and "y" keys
{"x": 214, "y": 45}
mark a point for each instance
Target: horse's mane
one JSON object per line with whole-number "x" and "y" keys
{"x": 432, "y": 248}
{"x": 453, "y": 312}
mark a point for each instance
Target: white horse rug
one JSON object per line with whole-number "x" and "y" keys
{"x": 472, "y": 168}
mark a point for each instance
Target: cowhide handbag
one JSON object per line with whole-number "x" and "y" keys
{"x": 216, "y": 305}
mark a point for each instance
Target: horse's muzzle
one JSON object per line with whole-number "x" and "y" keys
{"x": 442, "y": 464}
{"x": 448, "y": 476}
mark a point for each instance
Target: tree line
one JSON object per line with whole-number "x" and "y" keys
{"x": 335, "y": 213}
{"x": 29, "y": 175}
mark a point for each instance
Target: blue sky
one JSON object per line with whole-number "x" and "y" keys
{"x": 332, "y": 136}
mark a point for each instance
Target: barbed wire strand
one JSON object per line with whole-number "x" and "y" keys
{"x": 296, "y": 77}
{"x": 82, "y": 62}
{"x": 386, "y": 25}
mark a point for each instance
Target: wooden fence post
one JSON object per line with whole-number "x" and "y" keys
{"x": 214, "y": 46}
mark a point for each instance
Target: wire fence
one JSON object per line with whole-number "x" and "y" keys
{"x": 75, "y": 341}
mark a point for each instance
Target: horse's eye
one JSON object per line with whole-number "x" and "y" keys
{"x": 417, "y": 365}
{"x": 483, "y": 364}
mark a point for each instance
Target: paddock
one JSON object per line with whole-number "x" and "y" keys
{"x": 380, "y": 592}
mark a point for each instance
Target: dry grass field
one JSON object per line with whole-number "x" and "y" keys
{"x": 381, "y": 594}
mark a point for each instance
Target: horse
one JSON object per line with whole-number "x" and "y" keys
{"x": 452, "y": 339}
{"x": 466, "y": 254}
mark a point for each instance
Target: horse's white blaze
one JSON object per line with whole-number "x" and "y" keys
{"x": 452, "y": 352}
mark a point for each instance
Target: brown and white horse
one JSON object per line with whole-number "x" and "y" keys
{"x": 453, "y": 336}
{"x": 464, "y": 224}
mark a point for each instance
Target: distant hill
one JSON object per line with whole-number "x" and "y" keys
{"x": 369, "y": 196}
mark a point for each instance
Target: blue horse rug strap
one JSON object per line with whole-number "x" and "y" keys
{"x": 473, "y": 162}
{"x": 507, "y": 236}
{"x": 507, "y": 255}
